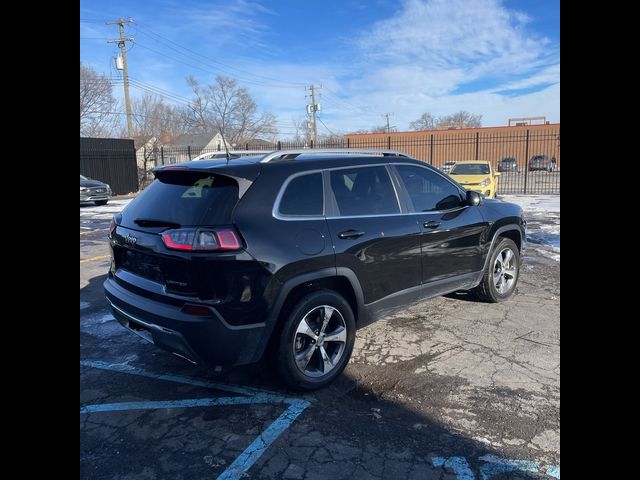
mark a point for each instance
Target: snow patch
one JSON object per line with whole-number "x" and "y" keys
{"x": 542, "y": 213}
{"x": 104, "y": 211}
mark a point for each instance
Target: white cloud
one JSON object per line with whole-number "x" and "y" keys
{"x": 439, "y": 56}
{"x": 421, "y": 58}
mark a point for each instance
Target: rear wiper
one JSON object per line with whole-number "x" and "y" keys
{"x": 150, "y": 222}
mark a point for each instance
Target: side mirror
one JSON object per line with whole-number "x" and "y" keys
{"x": 473, "y": 198}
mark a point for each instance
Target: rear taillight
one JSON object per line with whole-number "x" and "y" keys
{"x": 227, "y": 240}
{"x": 202, "y": 240}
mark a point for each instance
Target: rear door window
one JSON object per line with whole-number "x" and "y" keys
{"x": 364, "y": 191}
{"x": 184, "y": 198}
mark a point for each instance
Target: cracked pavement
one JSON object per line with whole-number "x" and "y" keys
{"x": 447, "y": 377}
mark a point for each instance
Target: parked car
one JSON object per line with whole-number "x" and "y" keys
{"x": 290, "y": 252}
{"x": 94, "y": 191}
{"x": 214, "y": 155}
{"x": 508, "y": 164}
{"x": 447, "y": 166}
{"x": 476, "y": 175}
{"x": 542, "y": 162}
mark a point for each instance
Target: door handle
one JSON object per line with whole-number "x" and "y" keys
{"x": 350, "y": 234}
{"x": 431, "y": 224}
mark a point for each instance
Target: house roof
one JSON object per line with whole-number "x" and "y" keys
{"x": 140, "y": 141}
{"x": 193, "y": 139}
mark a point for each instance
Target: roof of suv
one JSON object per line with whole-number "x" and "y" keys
{"x": 299, "y": 163}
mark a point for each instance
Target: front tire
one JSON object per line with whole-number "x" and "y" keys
{"x": 101, "y": 202}
{"x": 501, "y": 276}
{"x": 316, "y": 340}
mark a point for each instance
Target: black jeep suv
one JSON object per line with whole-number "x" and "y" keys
{"x": 220, "y": 261}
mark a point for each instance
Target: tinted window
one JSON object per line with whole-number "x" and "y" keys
{"x": 364, "y": 191}
{"x": 470, "y": 169}
{"x": 186, "y": 199}
{"x": 303, "y": 196}
{"x": 428, "y": 190}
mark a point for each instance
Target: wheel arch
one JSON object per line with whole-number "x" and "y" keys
{"x": 341, "y": 280}
{"x": 512, "y": 231}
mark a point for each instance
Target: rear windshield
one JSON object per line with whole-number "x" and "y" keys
{"x": 470, "y": 169}
{"x": 185, "y": 199}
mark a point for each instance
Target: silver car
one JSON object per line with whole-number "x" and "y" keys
{"x": 94, "y": 191}
{"x": 447, "y": 166}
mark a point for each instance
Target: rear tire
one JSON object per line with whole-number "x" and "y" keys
{"x": 501, "y": 275}
{"x": 101, "y": 202}
{"x": 316, "y": 340}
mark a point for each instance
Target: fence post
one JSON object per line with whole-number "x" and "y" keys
{"x": 477, "y": 143}
{"x": 162, "y": 153}
{"x": 279, "y": 145}
{"x": 526, "y": 162}
{"x": 348, "y": 144}
{"x": 431, "y": 149}
{"x": 189, "y": 151}
{"x": 389, "y": 142}
{"x": 246, "y": 146}
{"x": 311, "y": 143}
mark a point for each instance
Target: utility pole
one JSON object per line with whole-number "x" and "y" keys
{"x": 311, "y": 111}
{"x": 125, "y": 72}
{"x": 387, "y": 115}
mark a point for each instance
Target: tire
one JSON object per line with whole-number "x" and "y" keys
{"x": 487, "y": 289}
{"x": 101, "y": 202}
{"x": 295, "y": 337}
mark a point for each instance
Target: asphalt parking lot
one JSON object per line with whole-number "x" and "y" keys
{"x": 448, "y": 389}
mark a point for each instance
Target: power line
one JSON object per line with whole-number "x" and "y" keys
{"x": 217, "y": 62}
{"x": 328, "y": 129}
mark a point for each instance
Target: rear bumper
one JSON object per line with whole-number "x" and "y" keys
{"x": 202, "y": 340}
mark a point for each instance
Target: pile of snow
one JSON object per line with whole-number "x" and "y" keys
{"x": 542, "y": 213}
{"x": 103, "y": 212}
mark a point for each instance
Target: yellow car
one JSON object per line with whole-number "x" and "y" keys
{"x": 476, "y": 175}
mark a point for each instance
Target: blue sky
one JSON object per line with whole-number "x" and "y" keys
{"x": 500, "y": 59}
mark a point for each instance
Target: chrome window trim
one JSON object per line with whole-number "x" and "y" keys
{"x": 276, "y": 205}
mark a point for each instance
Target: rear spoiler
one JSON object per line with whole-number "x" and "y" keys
{"x": 243, "y": 182}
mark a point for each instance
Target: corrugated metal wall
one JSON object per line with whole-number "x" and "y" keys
{"x": 110, "y": 160}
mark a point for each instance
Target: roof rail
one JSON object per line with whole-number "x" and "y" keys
{"x": 222, "y": 153}
{"x": 292, "y": 154}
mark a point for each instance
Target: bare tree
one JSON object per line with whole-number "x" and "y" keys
{"x": 99, "y": 115}
{"x": 425, "y": 122}
{"x": 379, "y": 129}
{"x": 460, "y": 119}
{"x": 302, "y": 131}
{"x": 228, "y": 108}
{"x": 152, "y": 117}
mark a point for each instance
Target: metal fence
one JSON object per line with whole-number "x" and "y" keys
{"x": 535, "y": 168}
{"x": 110, "y": 160}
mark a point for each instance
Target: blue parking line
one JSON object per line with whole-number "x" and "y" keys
{"x": 253, "y": 396}
{"x": 191, "y": 403}
{"x": 117, "y": 367}
{"x": 253, "y": 452}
